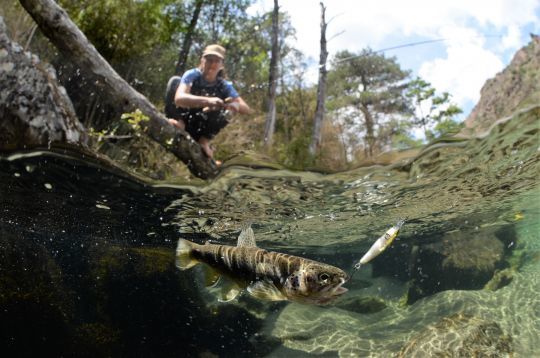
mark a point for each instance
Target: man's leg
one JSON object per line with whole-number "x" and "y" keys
{"x": 177, "y": 123}
{"x": 205, "y": 145}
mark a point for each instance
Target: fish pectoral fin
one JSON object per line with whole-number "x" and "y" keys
{"x": 211, "y": 277}
{"x": 229, "y": 291}
{"x": 265, "y": 290}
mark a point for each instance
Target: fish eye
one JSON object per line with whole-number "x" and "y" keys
{"x": 324, "y": 276}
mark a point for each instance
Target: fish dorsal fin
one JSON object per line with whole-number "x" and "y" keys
{"x": 246, "y": 237}
{"x": 211, "y": 277}
{"x": 229, "y": 291}
{"x": 265, "y": 290}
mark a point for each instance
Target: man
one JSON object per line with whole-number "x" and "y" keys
{"x": 198, "y": 100}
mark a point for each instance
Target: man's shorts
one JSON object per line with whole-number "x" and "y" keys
{"x": 204, "y": 124}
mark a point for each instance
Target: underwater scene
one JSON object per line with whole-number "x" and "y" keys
{"x": 88, "y": 262}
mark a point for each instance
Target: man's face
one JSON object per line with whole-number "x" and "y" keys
{"x": 212, "y": 64}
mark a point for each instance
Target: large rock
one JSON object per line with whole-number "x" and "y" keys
{"x": 516, "y": 87}
{"x": 455, "y": 263}
{"x": 34, "y": 109}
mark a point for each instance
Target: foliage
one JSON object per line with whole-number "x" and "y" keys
{"x": 446, "y": 127}
{"x": 99, "y": 135}
{"x": 332, "y": 156}
{"x": 439, "y": 110}
{"x": 135, "y": 119}
{"x": 295, "y": 111}
{"x": 370, "y": 87}
{"x": 295, "y": 153}
{"x": 219, "y": 23}
{"x": 123, "y": 29}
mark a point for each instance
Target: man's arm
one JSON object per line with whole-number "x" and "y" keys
{"x": 183, "y": 98}
{"x": 238, "y": 105}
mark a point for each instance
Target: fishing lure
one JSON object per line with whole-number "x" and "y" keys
{"x": 381, "y": 244}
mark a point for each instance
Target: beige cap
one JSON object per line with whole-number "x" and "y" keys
{"x": 216, "y": 50}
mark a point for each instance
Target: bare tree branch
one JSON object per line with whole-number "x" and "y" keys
{"x": 54, "y": 23}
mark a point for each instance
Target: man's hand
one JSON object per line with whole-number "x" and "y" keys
{"x": 213, "y": 104}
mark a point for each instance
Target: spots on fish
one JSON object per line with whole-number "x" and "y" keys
{"x": 295, "y": 282}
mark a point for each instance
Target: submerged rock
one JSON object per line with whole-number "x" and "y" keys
{"x": 33, "y": 306}
{"x": 459, "y": 335}
{"x": 361, "y": 304}
{"x": 455, "y": 263}
{"x": 500, "y": 279}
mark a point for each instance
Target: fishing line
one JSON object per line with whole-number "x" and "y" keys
{"x": 411, "y": 44}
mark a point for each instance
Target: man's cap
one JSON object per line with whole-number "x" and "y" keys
{"x": 216, "y": 50}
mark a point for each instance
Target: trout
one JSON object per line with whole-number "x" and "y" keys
{"x": 264, "y": 274}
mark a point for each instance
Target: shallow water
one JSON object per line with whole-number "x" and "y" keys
{"x": 87, "y": 256}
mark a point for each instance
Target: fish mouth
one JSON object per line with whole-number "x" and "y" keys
{"x": 331, "y": 296}
{"x": 322, "y": 297}
{"x": 332, "y": 292}
{"x": 339, "y": 289}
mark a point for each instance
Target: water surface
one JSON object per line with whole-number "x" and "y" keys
{"x": 87, "y": 256}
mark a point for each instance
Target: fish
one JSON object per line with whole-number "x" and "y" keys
{"x": 380, "y": 244}
{"x": 265, "y": 275}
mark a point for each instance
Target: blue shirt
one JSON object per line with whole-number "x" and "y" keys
{"x": 199, "y": 86}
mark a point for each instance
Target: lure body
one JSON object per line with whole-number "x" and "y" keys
{"x": 381, "y": 244}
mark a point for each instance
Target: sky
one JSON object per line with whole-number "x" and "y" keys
{"x": 479, "y": 37}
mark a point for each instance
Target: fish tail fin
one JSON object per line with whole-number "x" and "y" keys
{"x": 183, "y": 255}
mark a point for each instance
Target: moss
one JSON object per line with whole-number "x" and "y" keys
{"x": 481, "y": 254}
{"x": 143, "y": 261}
{"x": 517, "y": 259}
{"x": 154, "y": 260}
{"x": 500, "y": 279}
{"x": 404, "y": 300}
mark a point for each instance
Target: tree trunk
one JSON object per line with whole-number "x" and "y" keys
{"x": 370, "y": 134}
{"x": 321, "y": 89}
{"x": 186, "y": 45}
{"x": 54, "y": 23}
{"x": 272, "y": 80}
